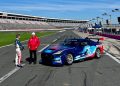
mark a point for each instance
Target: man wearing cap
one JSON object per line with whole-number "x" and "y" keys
{"x": 33, "y": 45}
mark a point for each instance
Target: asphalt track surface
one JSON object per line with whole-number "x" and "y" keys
{"x": 96, "y": 72}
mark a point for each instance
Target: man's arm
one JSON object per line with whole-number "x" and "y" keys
{"x": 38, "y": 42}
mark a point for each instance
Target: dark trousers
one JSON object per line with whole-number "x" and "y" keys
{"x": 31, "y": 56}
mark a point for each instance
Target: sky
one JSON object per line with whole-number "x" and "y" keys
{"x": 63, "y": 9}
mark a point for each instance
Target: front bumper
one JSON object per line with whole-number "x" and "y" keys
{"x": 51, "y": 59}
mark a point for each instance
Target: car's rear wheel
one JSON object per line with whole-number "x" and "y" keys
{"x": 69, "y": 59}
{"x": 97, "y": 53}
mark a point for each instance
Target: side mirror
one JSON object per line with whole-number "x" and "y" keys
{"x": 102, "y": 39}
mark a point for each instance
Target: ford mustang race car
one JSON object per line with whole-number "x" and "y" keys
{"x": 72, "y": 50}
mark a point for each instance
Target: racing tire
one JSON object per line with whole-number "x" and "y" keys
{"x": 98, "y": 54}
{"x": 69, "y": 59}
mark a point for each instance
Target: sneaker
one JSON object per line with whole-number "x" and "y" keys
{"x": 19, "y": 66}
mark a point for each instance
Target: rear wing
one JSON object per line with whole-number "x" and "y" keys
{"x": 102, "y": 38}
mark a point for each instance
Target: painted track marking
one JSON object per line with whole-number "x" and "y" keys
{"x": 44, "y": 48}
{"x": 9, "y": 74}
{"x": 15, "y": 70}
{"x": 114, "y": 58}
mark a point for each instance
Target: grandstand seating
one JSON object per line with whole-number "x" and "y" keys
{"x": 9, "y": 24}
{"x": 21, "y": 22}
{"x": 63, "y": 24}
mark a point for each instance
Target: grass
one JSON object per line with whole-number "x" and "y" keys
{"x": 7, "y": 38}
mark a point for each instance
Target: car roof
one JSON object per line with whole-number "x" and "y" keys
{"x": 77, "y": 39}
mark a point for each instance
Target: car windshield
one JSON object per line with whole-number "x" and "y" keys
{"x": 70, "y": 43}
{"x": 73, "y": 42}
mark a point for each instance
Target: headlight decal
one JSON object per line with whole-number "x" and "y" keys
{"x": 58, "y": 60}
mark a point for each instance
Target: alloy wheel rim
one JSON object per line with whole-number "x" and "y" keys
{"x": 98, "y": 53}
{"x": 69, "y": 58}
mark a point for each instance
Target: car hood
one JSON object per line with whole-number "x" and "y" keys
{"x": 55, "y": 48}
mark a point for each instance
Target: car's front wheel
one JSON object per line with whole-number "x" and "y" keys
{"x": 69, "y": 59}
{"x": 97, "y": 53}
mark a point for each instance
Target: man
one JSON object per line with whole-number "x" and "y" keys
{"x": 33, "y": 45}
{"x": 19, "y": 47}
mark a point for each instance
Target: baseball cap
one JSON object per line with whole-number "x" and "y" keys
{"x": 33, "y": 33}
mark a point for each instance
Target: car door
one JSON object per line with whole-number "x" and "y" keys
{"x": 92, "y": 47}
{"x": 81, "y": 51}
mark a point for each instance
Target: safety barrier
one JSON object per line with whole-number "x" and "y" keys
{"x": 107, "y": 35}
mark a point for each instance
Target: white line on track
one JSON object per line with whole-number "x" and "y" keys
{"x": 9, "y": 74}
{"x": 6, "y": 46}
{"x": 61, "y": 31}
{"x": 54, "y": 40}
{"x": 47, "y": 45}
{"x": 16, "y": 69}
{"x": 114, "y": 58}
{"x": 44, "y": 48}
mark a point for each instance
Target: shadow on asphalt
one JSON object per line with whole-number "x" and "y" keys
{"x": 76, "y": 62}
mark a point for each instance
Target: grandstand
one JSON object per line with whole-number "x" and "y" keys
{"x": 19, "y": 22}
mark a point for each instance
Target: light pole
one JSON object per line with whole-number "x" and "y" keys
{"x": 93, "y": 22}
{"x": 116, "y": 10}
{"x": 101, "y": 22}
{"x": 110, "y": 16}
{"x": 97, "y": 19}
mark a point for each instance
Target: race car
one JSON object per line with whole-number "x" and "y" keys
{"x": 72, "y": 50}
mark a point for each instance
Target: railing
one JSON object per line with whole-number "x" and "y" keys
{"x": 107, "y": 35}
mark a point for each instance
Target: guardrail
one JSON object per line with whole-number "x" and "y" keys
{"x": 107, "y": 35}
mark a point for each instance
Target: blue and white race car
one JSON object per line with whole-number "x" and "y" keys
{"x": 71, "y": 50}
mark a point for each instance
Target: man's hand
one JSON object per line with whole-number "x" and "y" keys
{"x": 36, "y": 48}
{"x": 29, "y": 47}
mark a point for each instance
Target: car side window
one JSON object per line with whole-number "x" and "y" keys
{"x": 83, "y": 44}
